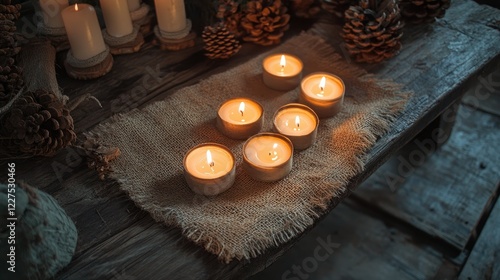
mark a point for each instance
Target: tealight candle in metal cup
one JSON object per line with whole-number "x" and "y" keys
{"x": 297, "y": 122}
{"x": 268, "y": 157}
{"x": 209, "y": 168}
{"x": 323, "y": 92}
{"x": 239, "y": 118}
{"x": 282, "y": 71}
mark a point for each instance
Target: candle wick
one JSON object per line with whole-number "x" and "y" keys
{"x": 322, "y": 90}
{"x": 212, "y": 164}
{"x": 241, "y": 111}
{"x": 282, "y": 68}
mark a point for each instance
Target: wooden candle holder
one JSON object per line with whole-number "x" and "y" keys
{"x": 127, "y": 44}
{"x": 89, "y": 69}
{"x": 175, "y": 41}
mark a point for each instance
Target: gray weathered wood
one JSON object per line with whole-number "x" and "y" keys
{"x": 446, "y": 192}
{"x": 485, "y": 257}
{"x": 369, "y": 247}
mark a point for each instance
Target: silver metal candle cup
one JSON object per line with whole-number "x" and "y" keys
{"x": 323, "y": 108}
{"x": 210, "y": 187}
{"x": 281, "y": 83}
{"x": 239, "y": 131}
{"x": 268, "y": 174}
{"x": 300, "y": 142}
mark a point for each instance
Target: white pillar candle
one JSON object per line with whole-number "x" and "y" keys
{"x": 268, "y": 156}
{"x": 209, "y": 168}
{"x": 323, "y": 92}
{"x": 117, "y": 17}
{"x": 239, "y": 118}
{"x": 299, "y": 123}
{"x": 133, "y": 5}
{"x": 51, "y": 12}
{"x": 171, "y": 15}
{"x": 84, "y": 33}
{"x": 282, "y": 71}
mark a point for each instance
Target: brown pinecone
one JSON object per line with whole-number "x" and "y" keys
{"x": 39, "y": 124}
{"x": 265, "y": 21}
{"x": 229, "y": 12}
{"x": 99, "y": 156}
{"x": 423, "y": 11}
{"x": 337, "y": 7}
{"x": 219, "y": 42}
{"x": 10, "y": 75}
{"x": 372, "y": 35}
{"x": 305, "y": 8}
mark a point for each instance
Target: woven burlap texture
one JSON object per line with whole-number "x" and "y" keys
{"x": 251, "y": 216}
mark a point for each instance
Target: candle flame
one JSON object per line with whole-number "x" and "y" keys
{"x": 76, "y": 6}
{"x": 297, "y": 121}
{"x": 242, "y": 108}
{"x": 322, "y": 84}
{"x": 209, "y": 159}
{"x": 282, "y": 62}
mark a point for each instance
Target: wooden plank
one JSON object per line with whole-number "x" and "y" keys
{"x": 446, "y": 193}
{"x": 369, "y": 246}
{"x": 484, "y": 259}
{"x": 484, "y": 94}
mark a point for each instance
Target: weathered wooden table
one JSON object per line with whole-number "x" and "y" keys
{"x": 119, "y": 241}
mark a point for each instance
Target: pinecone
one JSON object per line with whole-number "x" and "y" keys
{"x": 39, "y": 124}
{"x": 10, "y": 75}
{"x": 228, "y": 11}
{"x": 305, "y": 8}
{"x": 99, "y": 156}
{"x": 423, "y": 11}
{"x": 372, "y": 35}
{"x": 265, "y": 21}
{"x": 219, "y": 42}
{"x": 336, "y": 7}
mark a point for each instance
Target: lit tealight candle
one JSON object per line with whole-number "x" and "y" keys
{"x": 282, "y": 71}
{"x": 171, "y": 15}
{"x": 297, "y": 122}
{"x": 323, "y": 92}
{"x": 239, "y": 118}
{"x": 83, "y": 30}
{"x": 51, "y": 12}
{"x": 268, "y": 157}
{"x": 209, "y": 169}
{"x": 117, "y": 17}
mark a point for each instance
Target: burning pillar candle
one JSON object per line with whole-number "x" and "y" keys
{"x": 51, "y": 12}
{"x": 239, "y": 118}
{"x": 171, "y": 15}
{"x": 209, "y": 169}
{"x": 83, "y": 30}
{"x": 323, "y": 92}
{"x": 268, "y": 157}
{"x": 282, "y": 71}
{"x": 117, "y": 17}
{"x": 297, "y": 122}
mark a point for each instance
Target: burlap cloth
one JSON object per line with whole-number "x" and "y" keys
{"x": 251, "y": 216}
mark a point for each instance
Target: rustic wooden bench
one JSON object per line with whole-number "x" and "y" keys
{"x": 117, "y": 240}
